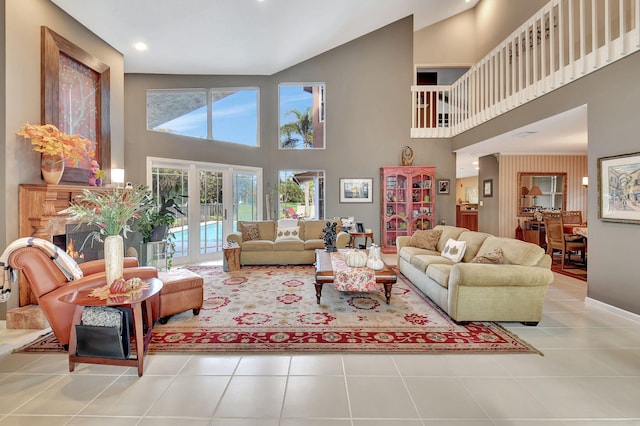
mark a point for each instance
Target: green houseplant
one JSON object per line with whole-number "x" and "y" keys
{"x": 154, "y": 224}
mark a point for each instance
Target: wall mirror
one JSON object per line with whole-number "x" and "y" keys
{"x": 541, "y": 192}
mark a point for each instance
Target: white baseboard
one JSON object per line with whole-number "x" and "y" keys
{"x": 614, "y": 310}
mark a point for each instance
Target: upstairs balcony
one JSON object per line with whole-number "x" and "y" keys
{"x": 563, "y": 41}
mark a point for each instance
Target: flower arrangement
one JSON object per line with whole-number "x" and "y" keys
{"x": 96, "y": 176}
{"x": 48, "y": 139}
{"x": 111, "y": 210}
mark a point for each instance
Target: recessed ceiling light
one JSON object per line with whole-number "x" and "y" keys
{"x": 474, "y": 162}
{"x": 140, "y": 46}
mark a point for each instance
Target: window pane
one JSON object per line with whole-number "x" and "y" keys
{"x": 183, "y": 112}
{"x": 232, "y": 115}
{"x": 302, "y": 116}
{"x": 235, "y": 116}
{"x": 301, "y": 194}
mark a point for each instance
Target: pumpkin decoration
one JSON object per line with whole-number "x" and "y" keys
{"x": 118, "y": 286}
{"x": 355, "y": 259}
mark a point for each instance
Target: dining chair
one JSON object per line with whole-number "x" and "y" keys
{"x": 558, "y": 240}
{"x": 572, "y": 217}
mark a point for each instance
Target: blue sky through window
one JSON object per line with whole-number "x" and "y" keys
{"x": 234, "y": 119}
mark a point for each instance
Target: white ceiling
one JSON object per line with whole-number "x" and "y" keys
{"x": 254, "y": 37}
{"x": 562, "y": 134}
{"x": 250, "y": 37}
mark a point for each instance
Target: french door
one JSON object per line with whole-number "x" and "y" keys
{"x": 213, "y": 198}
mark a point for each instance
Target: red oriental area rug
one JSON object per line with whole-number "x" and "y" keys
{"x": 274, "y": 309}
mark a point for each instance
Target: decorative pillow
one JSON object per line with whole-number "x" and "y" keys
{"x": 287, "y": 223}
{"x": 288, "y": 233}
{"x": 249, "y": 231}
{"x": 425, "y": 239}
{"x": 454, "y": 250}
{"x": 495, "y": 256}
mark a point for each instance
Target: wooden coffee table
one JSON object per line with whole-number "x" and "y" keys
{"x": 324, "y": 274}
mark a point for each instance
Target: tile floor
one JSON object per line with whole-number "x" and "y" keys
{"x": 589, "y": 375}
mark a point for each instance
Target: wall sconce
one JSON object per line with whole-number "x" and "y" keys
{"x": 585, "y": 181}
{"x": 117, "y": 176}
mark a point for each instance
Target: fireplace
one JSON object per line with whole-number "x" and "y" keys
{"x": 75, "y": 243}
{"x": 82, "y": 248}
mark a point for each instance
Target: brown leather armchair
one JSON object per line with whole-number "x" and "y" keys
{"x": 48, "y": 283}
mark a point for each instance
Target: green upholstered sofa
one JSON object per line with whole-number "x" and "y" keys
{"x": 512, "y": 290}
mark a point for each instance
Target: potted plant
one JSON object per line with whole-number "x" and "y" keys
{"x": 154, "y": 224}
{"x": 113, "y": 212}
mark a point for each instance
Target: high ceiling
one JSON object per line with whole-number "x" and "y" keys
{"x": 251, "y": 37}
{"x": 262, "y": 37}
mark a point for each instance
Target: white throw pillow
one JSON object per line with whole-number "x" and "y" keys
{"x": 288, "y": 233}
{"x": 287, "y": 223}
{"x": 454, "y": 250}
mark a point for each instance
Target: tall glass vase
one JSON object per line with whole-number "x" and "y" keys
{"x": 113, "y": 257}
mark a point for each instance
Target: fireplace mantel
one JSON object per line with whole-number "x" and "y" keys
{"x": 38, "y": 210}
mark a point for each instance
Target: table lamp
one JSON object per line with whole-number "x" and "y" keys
{"x": 117, "y": 176}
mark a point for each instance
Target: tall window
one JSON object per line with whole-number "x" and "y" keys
{"x": 228, "y": 115}
{"x": 301, "y": 194}
{"x": 302, "y": 115}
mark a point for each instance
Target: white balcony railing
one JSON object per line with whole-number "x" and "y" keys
{"x": 563, "y": 41}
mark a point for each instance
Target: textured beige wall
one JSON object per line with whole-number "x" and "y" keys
{"x": 368, "y": 121}
{"x": 22, "y": 22}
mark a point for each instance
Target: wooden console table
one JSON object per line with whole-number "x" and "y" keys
{"x": 534, "y": 232}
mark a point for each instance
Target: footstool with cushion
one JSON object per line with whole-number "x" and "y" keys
{"x": 182, "y": 290}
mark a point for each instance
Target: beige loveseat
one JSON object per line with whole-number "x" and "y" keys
{"x": 282, "y": 248}
{"x": 512, "y": 289}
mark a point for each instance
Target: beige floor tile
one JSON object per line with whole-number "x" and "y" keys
{"x": 128, "y": 396}
{"x": 441, "y": 398}
{"x": 66, "y": 396}
{"x": 316, "y": 365}
{"x": 316, "y": 396}
{"x": 264, "y": 365}
{"x": 18, "y": 389}
{"x": 515, "y": 401}
{"x": 369, "y": 365}
{"x": 559, "y": 362}
{"x": 106, "y": 421}
{"x": 174, "y": 421}
{"x": 211, "y": 365}
{"x": 315, "y": 422}
{"x": 244, "y": 422}
{"x": 253, "y": 396}
{"x": 161, "y": 364}
{"x": 379, "y": 398}
{"x": 35, "y": 420}
{"x": 190, "y": 396}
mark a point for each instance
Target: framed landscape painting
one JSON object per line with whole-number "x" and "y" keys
{"x": 619, "y": 188}
{"x": 356, "y": 190}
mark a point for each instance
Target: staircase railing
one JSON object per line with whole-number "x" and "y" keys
{"x": 563, "y": 41}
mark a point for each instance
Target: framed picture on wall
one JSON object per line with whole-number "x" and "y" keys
{"x": 617, "y": 177}
{"x": 356, "y": 190}
{"x": 75, "y": 94}
{"x": 487, "y": 188}
{"x": 443, "y": 186}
